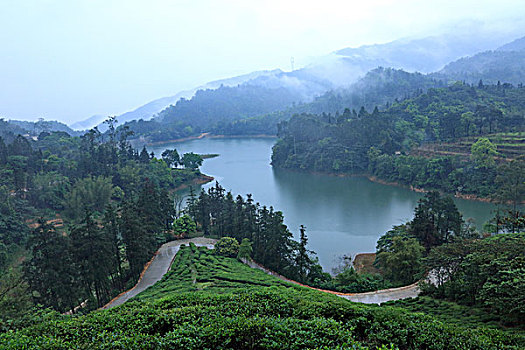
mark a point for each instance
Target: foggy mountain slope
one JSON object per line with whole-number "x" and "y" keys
{"x": 506, "y": 64}
{"x": 340, "y": 69}
{"x": 261, "y": 93}
{"x": 378, "y": 88}
{"x": 9, "y": 129}
{"x": 88, "y": 123}
{"x": 150, "y": 109}
{"x": 422, "y": 55}
{"x": 516, "y": 45}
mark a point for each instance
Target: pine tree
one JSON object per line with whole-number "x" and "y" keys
{"x": 92, "y": 253}
{"x": 112, "y": 232}
{"x": 144, "y": 156}
{"x": 51, "y": 272}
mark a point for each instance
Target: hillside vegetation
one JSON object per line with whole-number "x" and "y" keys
{"x": 380, "y": 143}
{"x": 214, "y": 302}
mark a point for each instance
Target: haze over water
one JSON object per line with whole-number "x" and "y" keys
{"x": 342, "y": 215}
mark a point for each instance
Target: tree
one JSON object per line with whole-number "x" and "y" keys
{"x": 245, "y": 250}
{"x": 487, "y": 271}
{"x": 140, "y": 244}
{"x": 112, "y": 232}
{"x": 402, "y": 263}
{"x": 191, "y": 160}
{"x": 50, "y": 271}
{"x": 303, "y": 262}
{"x": 92, "y": 253}
{"x": 482, "y": 152}
{"x": 436, "y": 220}
{"x": 384, "y": 243}
{"x": 511, "y": 182}
{"x": 227, "y": 246}
{"x": 171, "y": 157}
{"x": 503, "y": 292}
{"x": 91, "y": 194}
{"x": 184, "y": 226}
{"x": 3, "y": 152}
{"x": 144, "y": 156}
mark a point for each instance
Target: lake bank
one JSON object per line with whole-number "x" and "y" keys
{"x": 373, "y": 178}
{"x": 208, "y": 136}
{"x": 343, "y": 215}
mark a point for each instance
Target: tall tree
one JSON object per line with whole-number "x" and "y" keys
{"x": 171, "y": 157}
{"x": 50, "y": 271}
{"x": 436, "y": 220}
{"x": 92, "y": 253}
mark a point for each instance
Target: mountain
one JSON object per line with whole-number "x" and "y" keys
{"x": 378, "y": 88}
{"x": 10, "y": 128}
{"x": 212, "y": 107}
{"x": 516, "y": 45}
{"x": 339, "y": 69}
{"x": 506, "y": 64}
{"x": 422, "y": 55}
{"x": 150, "y": 109}
{"x": 88, "y": 123}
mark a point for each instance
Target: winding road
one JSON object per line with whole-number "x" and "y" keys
{"x": 157, "y": 267}
{"x": 161, "y": 262}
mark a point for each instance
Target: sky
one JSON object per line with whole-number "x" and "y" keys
{"x": 69, "y": 59}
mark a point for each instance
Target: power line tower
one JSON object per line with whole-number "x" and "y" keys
{"x": 292, "y": 62}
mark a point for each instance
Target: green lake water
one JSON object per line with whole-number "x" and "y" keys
{"x": 342, "y": 215}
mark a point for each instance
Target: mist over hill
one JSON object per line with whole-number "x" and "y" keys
{"x": 9, "y": 129}
{"x": 506, "y": 64}
{"x": 337, "y": 70}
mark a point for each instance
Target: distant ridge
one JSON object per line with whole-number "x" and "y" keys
{"x": 342, "y": 68}
{"x": 506, "y": 65}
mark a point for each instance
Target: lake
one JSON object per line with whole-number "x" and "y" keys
{"x": 342, "y": 215}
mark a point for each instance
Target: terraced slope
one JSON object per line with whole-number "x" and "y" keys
{"x": 510, "y": 146}
{"x": 213, "y": 302}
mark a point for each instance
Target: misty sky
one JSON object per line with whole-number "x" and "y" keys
{"x": 69, "y": 59}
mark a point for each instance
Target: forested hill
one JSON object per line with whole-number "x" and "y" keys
{"x": 489, "y": 66}
{"x": 362, "y": 141}
{"x": 209, "y": 108}
{"x": 506, "y": 65}
{"x": 379, "y": 87}
{"x": 9, "y": 129}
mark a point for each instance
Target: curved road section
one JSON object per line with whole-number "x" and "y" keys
{"x": 158, "y": 267}
{"x": 161, "y": 262}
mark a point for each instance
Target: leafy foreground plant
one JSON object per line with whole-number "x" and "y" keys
{"x": 214, "y": 302}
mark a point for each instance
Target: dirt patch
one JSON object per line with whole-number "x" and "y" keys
{"x": 364, "y": 263}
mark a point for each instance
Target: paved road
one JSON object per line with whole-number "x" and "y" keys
{"x": 384, "y": 295}
{"x": 158, "y": 268}
{"x": 376, "y": 297}
{"x": 164, "y": 256}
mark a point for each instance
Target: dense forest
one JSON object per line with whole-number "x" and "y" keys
{"x": 209, "y": 108}
{"x": 9, "y": 129}
{"x": 80, "y": 216}
{"x": 387, "y": 143}
{"x": 217, "y": 213}
{"x": 379, "y": 87}
{"x": 490, "y": 66}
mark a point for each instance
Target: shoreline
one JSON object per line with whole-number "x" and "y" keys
{"x": 210, "y": 136}
{"x": 200, "y": 180}
{"x": 372, "y": 178}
